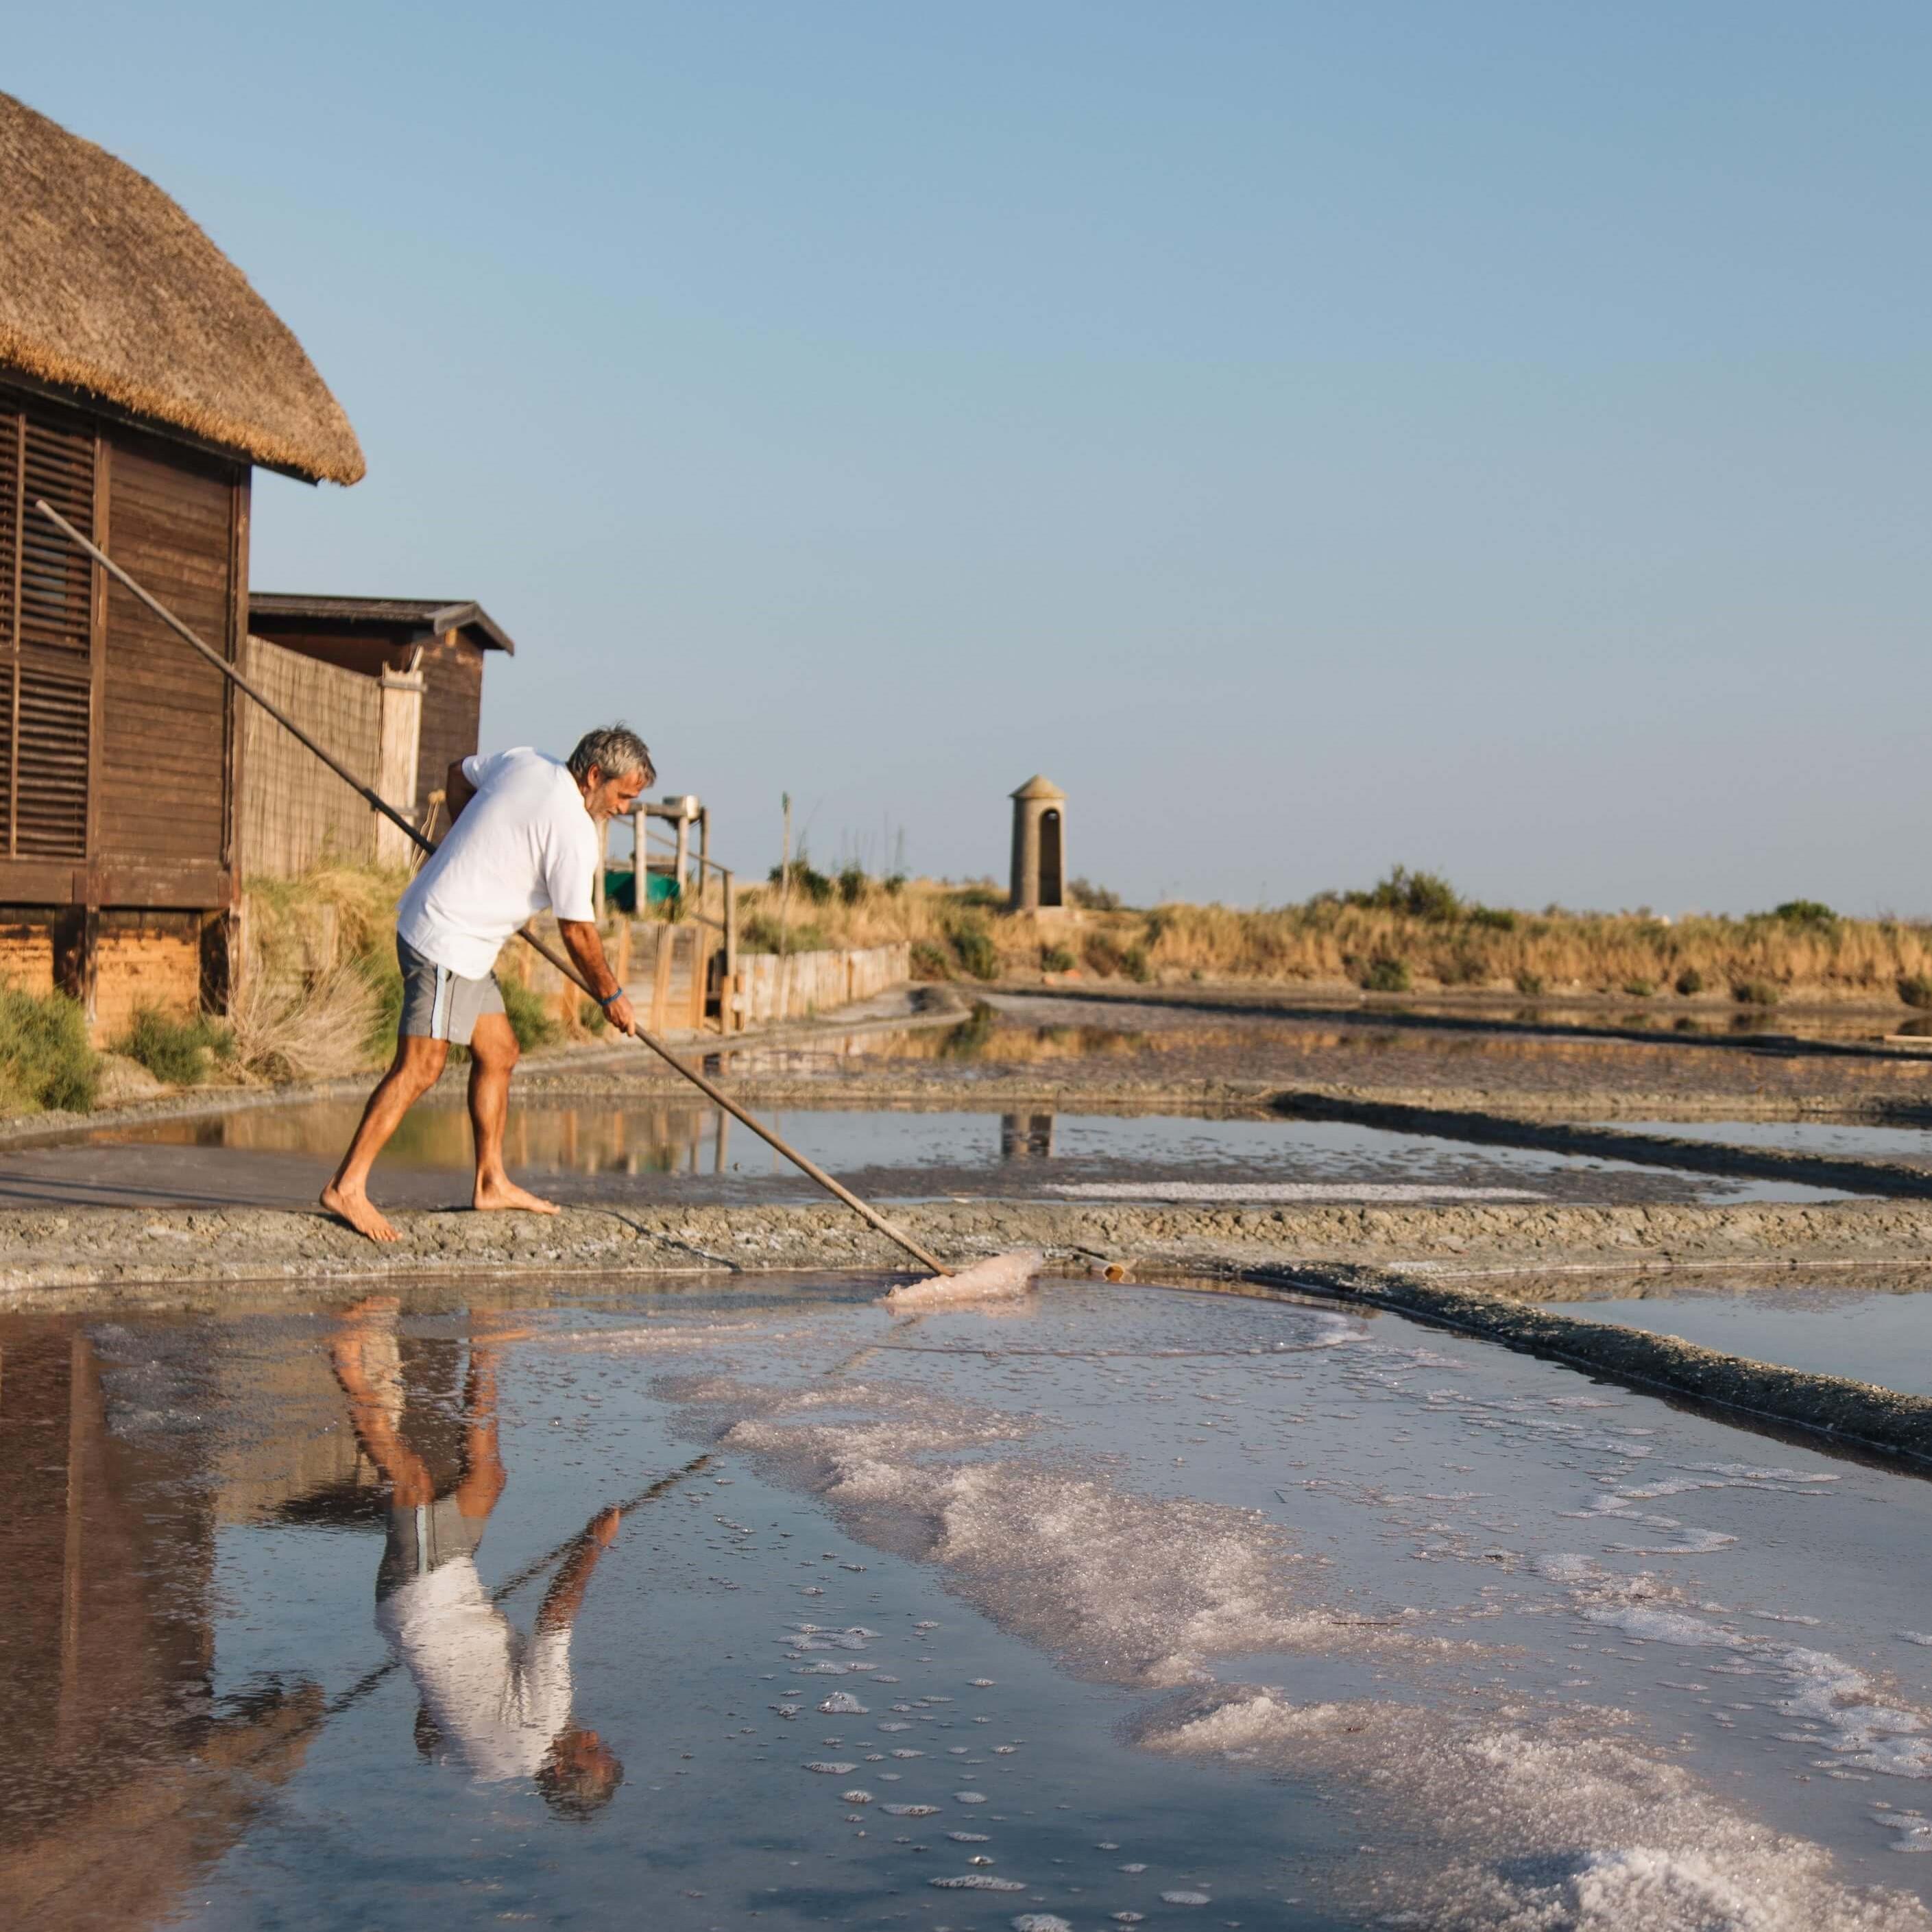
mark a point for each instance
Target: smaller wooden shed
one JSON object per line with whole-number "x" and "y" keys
{"x": 445, "y": 639}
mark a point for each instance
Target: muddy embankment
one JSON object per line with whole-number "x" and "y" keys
{"x": 45, "y": 1256}
{"x": 1901, "y": 1179}
{"x": 1478, "y": 1270}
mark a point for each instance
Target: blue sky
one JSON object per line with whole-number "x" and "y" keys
{"x": 1493, "y": 438}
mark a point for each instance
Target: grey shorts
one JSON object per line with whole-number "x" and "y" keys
{"x": 438, "y": 1004}
{"x": 418, "y": 1540}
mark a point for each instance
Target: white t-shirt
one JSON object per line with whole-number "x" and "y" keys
{"x": 501, "y": 1703}
{"x": 523, "y": 844}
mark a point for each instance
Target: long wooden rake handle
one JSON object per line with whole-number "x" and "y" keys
{"x": 376, "y": 802}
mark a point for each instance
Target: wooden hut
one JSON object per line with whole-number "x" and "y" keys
{"x": 141, "y": 378}
{"x": 445, "y": 641}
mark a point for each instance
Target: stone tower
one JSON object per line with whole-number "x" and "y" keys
{"x": 1039, "y": 846}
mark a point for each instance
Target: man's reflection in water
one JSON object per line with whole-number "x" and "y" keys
{"x": 500, "y": 1702}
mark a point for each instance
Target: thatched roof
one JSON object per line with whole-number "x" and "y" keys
{"x": 106, "y": 286}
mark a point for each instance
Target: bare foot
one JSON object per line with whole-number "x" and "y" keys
{"x": 359, "y": 1211}
{"x": 495, "y": 1195}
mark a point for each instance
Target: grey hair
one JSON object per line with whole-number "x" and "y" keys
{"x": 616, "y": 750}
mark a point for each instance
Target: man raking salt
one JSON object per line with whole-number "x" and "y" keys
{"x": 524, "y": 838}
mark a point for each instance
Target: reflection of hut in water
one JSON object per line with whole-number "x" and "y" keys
{"x": 122, "y": 1783}
{"x": 1026, "y": 1137}
{"x": 1040, "y": 847}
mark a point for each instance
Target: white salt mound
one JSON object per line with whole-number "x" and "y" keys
{"x": 999, "y": 1279}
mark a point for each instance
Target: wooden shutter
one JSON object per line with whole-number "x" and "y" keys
{"x": 46, "y": 633}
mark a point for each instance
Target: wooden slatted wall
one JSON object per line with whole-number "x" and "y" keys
{"x": 47, "y": 658}
{"x": 166, "y": 753}
{"x": 295, "y": 812}
{"x": 452, "y": 709}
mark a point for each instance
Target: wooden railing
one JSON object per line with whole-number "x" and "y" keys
{"x": 720, "y": 988}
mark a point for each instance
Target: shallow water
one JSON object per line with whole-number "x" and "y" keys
{"x": 598, "y": 1151}
{"x": 1214, "y": 1610}
{"x": 1886, "y": 1339}
{"x": 1855, "y": 1139}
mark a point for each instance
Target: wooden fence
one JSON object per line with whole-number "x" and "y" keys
{"x": 673, "y": 973}
{"x": 771, "y": 988}
{"x": 296, "y": 813}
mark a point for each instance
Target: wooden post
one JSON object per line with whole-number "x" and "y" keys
{"x": 682, "y": 861}
{"x": 398, "y": 757}
{"x": 785, "y": 877}
{"x": 661, "y": 977}
{"x": 701, "y": 972}
{"x": 703, "y": 853}
{"x": 76, "y": 938}
{"x": 784, "y": 906}
{"x": 620, "y": 951}
{"x": 728, "y": 1018}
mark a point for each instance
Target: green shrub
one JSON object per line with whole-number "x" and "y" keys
{"x": 183, "y": 1052}
{"x": 1804, "y": 912}
{"x": 1386, "y": 976}
{"x": 1639, "y": 989}
{"x": 930, "y": 961}
{"x": 1689, "y": 981}
{"x": 894, "y": 883}
{"x": 1053, "y": 959}
{"x": 1420, "y": 895}
{"x": 1134, "y": 964}
{"x": 45, "y": 1059}
{"x": 852, "y": 884}
{"x": 1495, "y": 918}
{"x": 592, "y": 1017}
{"x": 972, "y": 946}
{"x": 1464, "y": 967}
{"x": 758, "y": 932}
{"x": 531, "y": 1019}
{"x": 1915, "y": 990}
{"x": 1754, "y": 993}
{"x": 1096, "y": 898}
{"x": 1530, "y": 985}
{"x": 806, "y": 879}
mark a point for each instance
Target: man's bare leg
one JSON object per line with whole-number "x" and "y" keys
{"x": 410, "y": 1484}
{"x": 417, "y": 1067}
{"x": 492, "y": 1055}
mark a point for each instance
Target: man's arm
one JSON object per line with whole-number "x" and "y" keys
{"x": 457, "y": 791}
{"x": 586, "y": 950}
{"x": 565, "y": 1597}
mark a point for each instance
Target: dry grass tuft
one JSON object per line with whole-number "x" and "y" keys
{"x": 314, "y": 1032}
{"x": 319, "y": 974}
